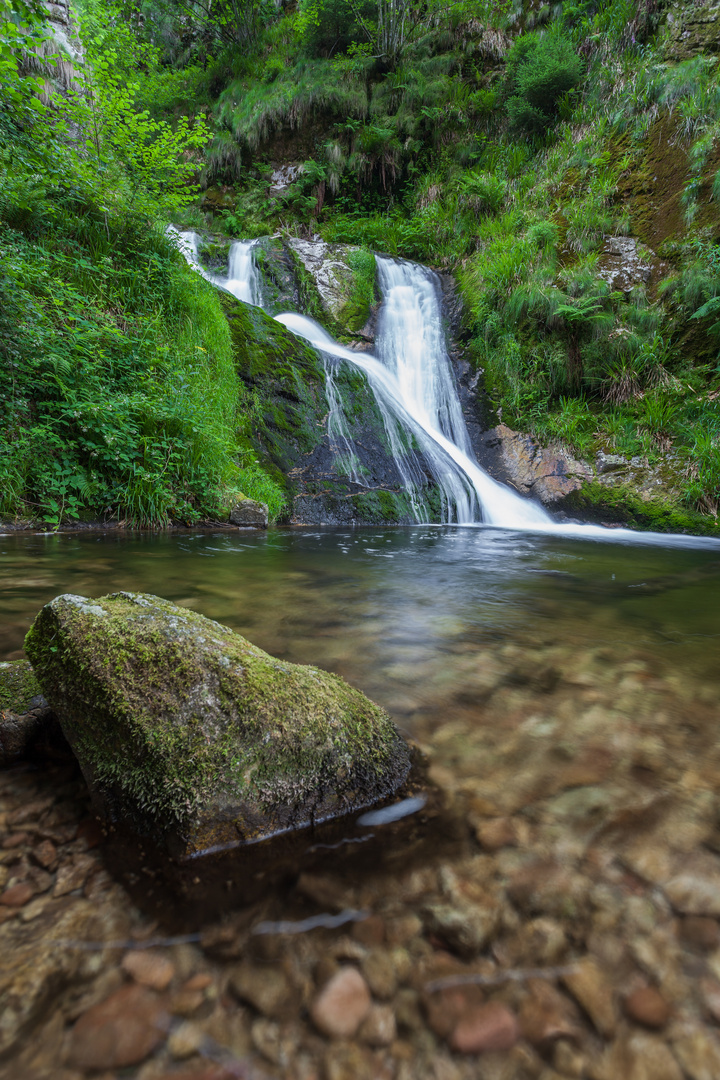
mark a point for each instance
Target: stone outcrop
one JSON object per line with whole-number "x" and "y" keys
{"x": 28, "y": 727}
{"x": 691, "y": 29}
{"x": 192, "y": 736}
{"x": 622, "y": 265}
{"x": 547, "y": 474}
{"x": 333, "y": 270}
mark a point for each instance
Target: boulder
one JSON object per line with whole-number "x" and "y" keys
{"x": 548, "y": 474}
{"x": 192, "y": 736}
{"x": 249, "y": 512}
{"x": 336, "y": 272}
{"x": 27, "y": 724}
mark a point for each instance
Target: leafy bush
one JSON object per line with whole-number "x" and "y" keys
{"x": 541, "y": 68}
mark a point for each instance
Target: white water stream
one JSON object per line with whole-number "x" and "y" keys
{"x": 412, "y": 381}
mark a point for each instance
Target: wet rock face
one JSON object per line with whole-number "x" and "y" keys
{"x": 191, "y": 735}
{"x": 333, "y": 272}
{"x": 692, "y": 29}
{"x": 622, "y": 265}
{"x": 545, "y": 474}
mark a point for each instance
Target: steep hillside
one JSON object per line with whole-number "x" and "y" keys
{"x": 560, "y": 163}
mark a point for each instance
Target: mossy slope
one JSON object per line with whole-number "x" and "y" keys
{"x": 196, "y": 737}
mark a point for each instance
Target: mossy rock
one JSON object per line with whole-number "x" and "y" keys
{"x": 19, "y": 688}
{"x": 28, "y": 727}
{"x": 198, "y": 739}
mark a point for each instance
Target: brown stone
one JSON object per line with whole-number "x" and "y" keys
{"x": 370, "y": 932}
{"x": 267, "y": 988}
{"x": 149, "y": 968}
{"x": 200, "y": 981}
{"x": 15, "y": 840}
{"x": 45, "y": 855}
{"x": 591, "y": 989}
{"x": 17, "y": 895}
{"x": 700, "y": 931}
{"x": 342, "y": 1004}
{"x": 121, "y": 1031}
{"x": 496, "y": 834}
{"x": 445, "y": 1007}
{"x": 546, "y": 1015}
{"x": 379, "y": 1027}
{"x": 647, "y": 1006}
{"x": 72, "y": 875}
{"x": 487, "y": 1027}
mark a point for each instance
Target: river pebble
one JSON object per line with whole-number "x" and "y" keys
{"x": 121, "y": 1031}
{"x": 342, "y": 1004}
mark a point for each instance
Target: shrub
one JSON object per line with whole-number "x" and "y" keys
{"x": 541, "y": 68}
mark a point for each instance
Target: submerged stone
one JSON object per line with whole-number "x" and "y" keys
{"x": 192, "y": 736}
{"x": 27, "y": 725}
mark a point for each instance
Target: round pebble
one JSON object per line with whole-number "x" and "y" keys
{"x": 647, "y": 1006}
{"x": 342, "y": 1004}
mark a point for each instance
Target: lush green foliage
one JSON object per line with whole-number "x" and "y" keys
{"x": 117, "y": 374}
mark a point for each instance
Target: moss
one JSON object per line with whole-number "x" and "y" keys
{"x": 18, "y": 686}
{"x": 356, "y": 310}
{"x": 176, "y": 721}
{"x": 381, "y": 505}
{"x": 621, "y": 503}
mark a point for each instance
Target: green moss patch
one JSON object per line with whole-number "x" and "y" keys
{"x": 18, "y": 686}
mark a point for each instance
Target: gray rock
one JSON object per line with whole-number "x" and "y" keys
{"x": 191, "y": 735}
{"x": 621, "y": 265}
{"x": 605, "y": 463}
{"x": 329, "y": 267}
{"x": 248, "y": 512}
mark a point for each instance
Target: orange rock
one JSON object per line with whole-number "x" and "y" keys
{"x": 121, "y": 1031}
{"x": 149, "y": 968}
{"x": 486, "y": 1027}
{"x": 342, "y": 1004}
{"x": 17, "y": 895}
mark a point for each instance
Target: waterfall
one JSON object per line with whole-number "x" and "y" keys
{"x": 413, "y": 385}
{"x": 341, "y": 443}
{"x": 243, "y": 279}
{"x": 467, "y": 488}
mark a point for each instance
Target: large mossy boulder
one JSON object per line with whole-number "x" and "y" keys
{"x": 196, "y": 738}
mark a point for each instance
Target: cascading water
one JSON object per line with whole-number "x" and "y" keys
{"x": 413, "y": 386}
{"x": 243, "y": 279}
{"x": 341, "y": 443}
{"x": 462, "y": 479}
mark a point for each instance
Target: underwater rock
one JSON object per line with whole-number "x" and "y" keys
{"x": 27, "y": 724}
{"x": 249, "y": 512}
{"x": 192, "y": 736}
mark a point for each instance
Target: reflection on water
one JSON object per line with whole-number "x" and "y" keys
{"x": 397, "y": 612}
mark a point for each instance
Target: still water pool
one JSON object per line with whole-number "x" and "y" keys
{"x": 566, "y": 694}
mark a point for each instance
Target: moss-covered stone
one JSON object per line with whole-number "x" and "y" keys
{"x": 337, "y": 283}
{"x": 196, "y": 737}
{"x": 18, "y": 687}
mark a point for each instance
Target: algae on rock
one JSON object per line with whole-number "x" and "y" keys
{"x": 195, "y": 737}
